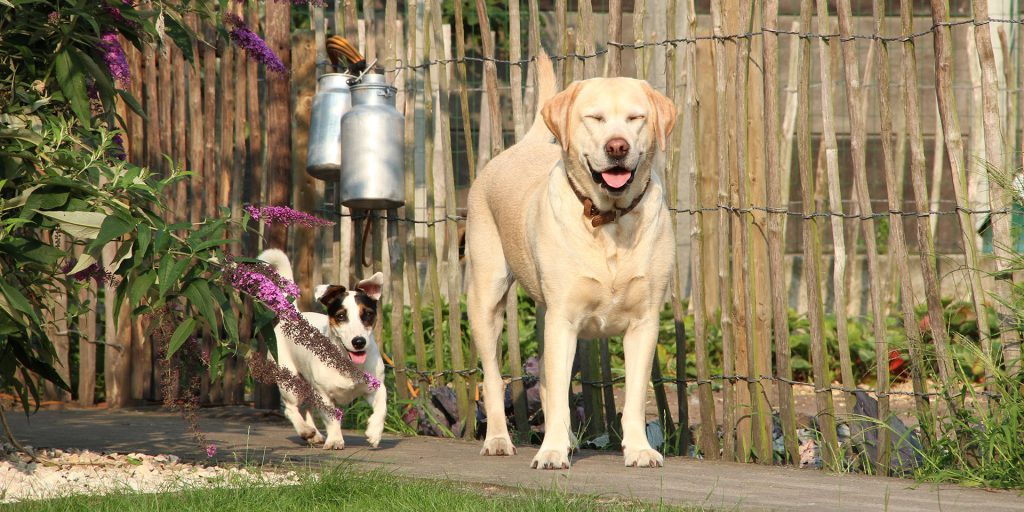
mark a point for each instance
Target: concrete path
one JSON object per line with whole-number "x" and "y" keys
{"x": 245, "y": 434}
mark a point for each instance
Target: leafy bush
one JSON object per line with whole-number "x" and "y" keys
{"x": 73, "y": 210}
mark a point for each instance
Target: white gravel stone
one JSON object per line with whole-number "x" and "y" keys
{"x": 70, "y": 472}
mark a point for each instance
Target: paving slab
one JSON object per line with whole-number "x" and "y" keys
{"x": 245, "y": 434}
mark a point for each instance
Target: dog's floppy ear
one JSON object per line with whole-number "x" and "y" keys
{"x": 326, "y": 293}
{"x": 663, "y": 114}
{"x": 372, "y": 286}
{"x": 557, "y": 112}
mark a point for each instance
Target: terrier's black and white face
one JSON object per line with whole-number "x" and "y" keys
{"x": 352, "y": 314}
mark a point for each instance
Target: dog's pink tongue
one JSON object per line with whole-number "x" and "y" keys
{"x": 358, "y": 357}
{"x": 616, "y": 179}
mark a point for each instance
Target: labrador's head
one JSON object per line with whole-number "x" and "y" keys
{"x": 608, "y": 129}
{"x": 352, "y": 314}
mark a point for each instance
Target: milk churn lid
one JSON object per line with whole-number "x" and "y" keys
{"x": 373, "y": 84}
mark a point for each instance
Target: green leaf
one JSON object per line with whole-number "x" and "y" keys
{"x": 170, "y": 272}
{"x": 179, "y": 33}
{"x": 181, "y": 334}
{"x": 113, "y": 227}
{"x": 72, "y": 83}
{"x": 163, "y": 241}
{"x": 123, "y": 252}
{"x": 21, "y": 198}
{"x": 84, "y": 262}
{"x": 6, "y": 306}
{"x": 139, "y": 286}
{"x": 78, "y": 224}
{"x": 211, "y": 243}
{"x": 33, "y": 250}
{"x": 43, "y": 201}
{"x": 198, "y": 292}
{"x": 132, "y": 103}
{"x": 17, "y": 300}
{"x": 142, "y": 239}
{"x": 100, "y": 76}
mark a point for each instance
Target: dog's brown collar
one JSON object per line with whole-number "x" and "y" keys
{"x": 597, "y": 217}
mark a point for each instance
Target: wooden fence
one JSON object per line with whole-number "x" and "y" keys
{"x": 757, "y": 153}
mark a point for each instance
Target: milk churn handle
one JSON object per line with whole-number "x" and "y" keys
{"x": 366, "y": 234}
{"x": 366, "y": 70}
{"x": 338, "y": 49}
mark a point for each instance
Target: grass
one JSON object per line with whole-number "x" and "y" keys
{"x": 981, "y": 446}
{"x": 343, "y": 489}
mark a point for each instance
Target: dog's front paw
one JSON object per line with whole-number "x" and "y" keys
{"x": 317, "y": 438}
{"x": 551, "y": 459}
{"x": 498, "y": 446}
{"x": 334, "y": 444}
{"x": 373, "y": 438}
{"x": 643, "y": 458}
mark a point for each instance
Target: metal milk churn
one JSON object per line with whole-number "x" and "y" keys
{"x": 331, "y": 102}
{"x": 372, "y": 132}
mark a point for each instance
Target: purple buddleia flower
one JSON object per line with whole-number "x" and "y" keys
{"x": 266, "y": 371}
{"x": 371, "y": 382}
{"x": 338, "y": 414}
{"x": 314, "y": 3}
{"x": 53, "y": 18}
{"x": 94, "y": 271}
{"x": 117, "y": 149}
{"x": 264, "y": 284}
{"x": 285, "y": 216}
{"x": 254, "y": 46}
{"x": 115, "y": 58}
{"x": 211, "y": 450}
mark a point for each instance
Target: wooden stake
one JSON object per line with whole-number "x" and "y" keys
{"x": 835, "y": 201}
{"x": 709, "y": 445}
{"x": 614, "y": 56}
{"x": 955, "y": 150}
{"x": 998, "y": 193}
{"x": 812, "y": 256}
{"x": 724, "y": 275}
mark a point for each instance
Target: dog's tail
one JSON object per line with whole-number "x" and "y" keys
{"x": 279, "y": 261}
{"x": 546, "y": 89}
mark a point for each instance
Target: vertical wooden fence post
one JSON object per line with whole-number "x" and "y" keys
{"x": 776, "y": 220}
{"x": 835, "y": 202}
{"x": 901, "y": 259}
{"x": 812, "y": 256}
{"x": 999, "y": 195}
{"x": 921, "y": 202}
{"x": 708, "y": 442}
{"x": 855, "y": 101}
{"x": 724, "y": 274}
{"x": 955, "y": 152}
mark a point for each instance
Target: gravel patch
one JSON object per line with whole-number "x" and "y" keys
{"x": 57, "y": 473}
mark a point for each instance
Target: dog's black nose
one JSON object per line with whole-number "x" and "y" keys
{"x": 617, "y": 148}
{"x": 359, "y": 343}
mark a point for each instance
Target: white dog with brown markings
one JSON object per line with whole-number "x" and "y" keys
{"x": 349, "y": 322}
{"x": 582, "y": 225}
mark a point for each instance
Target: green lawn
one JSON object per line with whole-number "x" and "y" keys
{"x": 343, "y": 489}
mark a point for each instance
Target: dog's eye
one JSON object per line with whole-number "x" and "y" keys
{"x": 341, "y": 317}
{"x": 596, "y": 117}
{"x": 637, "y": 117}
{"x": 368, "y": 317}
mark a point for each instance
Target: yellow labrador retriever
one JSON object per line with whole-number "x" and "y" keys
{"x": 583, "y": 226}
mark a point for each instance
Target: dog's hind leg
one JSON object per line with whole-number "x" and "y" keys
{"x": 488, "y": 283}
{"x": 304, "y": 426}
